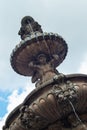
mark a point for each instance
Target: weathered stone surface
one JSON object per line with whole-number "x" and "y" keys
{"x": 59, "y": 101}
{"x": 43, "y": 107}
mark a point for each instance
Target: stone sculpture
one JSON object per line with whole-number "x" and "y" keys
{"x": 59, "y": 102}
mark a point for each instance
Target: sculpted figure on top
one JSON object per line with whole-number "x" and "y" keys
{"x": 28, "y": 26}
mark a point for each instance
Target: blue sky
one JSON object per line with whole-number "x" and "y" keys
{"x": 68, "y": 18}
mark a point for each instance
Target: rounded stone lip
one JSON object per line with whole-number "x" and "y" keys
{"x": 33, "y": 45}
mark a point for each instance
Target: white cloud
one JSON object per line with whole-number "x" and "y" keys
{"x": 83, "y": 65}
{"x": 14, "y": 100}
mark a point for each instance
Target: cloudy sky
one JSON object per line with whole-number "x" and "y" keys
{"x": 68, "y": 18}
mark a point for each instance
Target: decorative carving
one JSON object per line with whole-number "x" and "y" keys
{"x": 43, "y": 69}
{"x": 30, "y": 120}
{"x": 44, "y": 110}
{"x": 65, "y": 91}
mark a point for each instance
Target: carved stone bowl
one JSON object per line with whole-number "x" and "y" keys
{"x": 33, "y": 45}
{"x": 53, "y": 102}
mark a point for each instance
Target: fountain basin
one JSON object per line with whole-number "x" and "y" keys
{"x": 43, "y": 106}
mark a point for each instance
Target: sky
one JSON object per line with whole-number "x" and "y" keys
{"x": 68, "y": 18}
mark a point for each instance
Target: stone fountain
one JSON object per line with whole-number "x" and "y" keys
{"x": 58, "y": 102}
